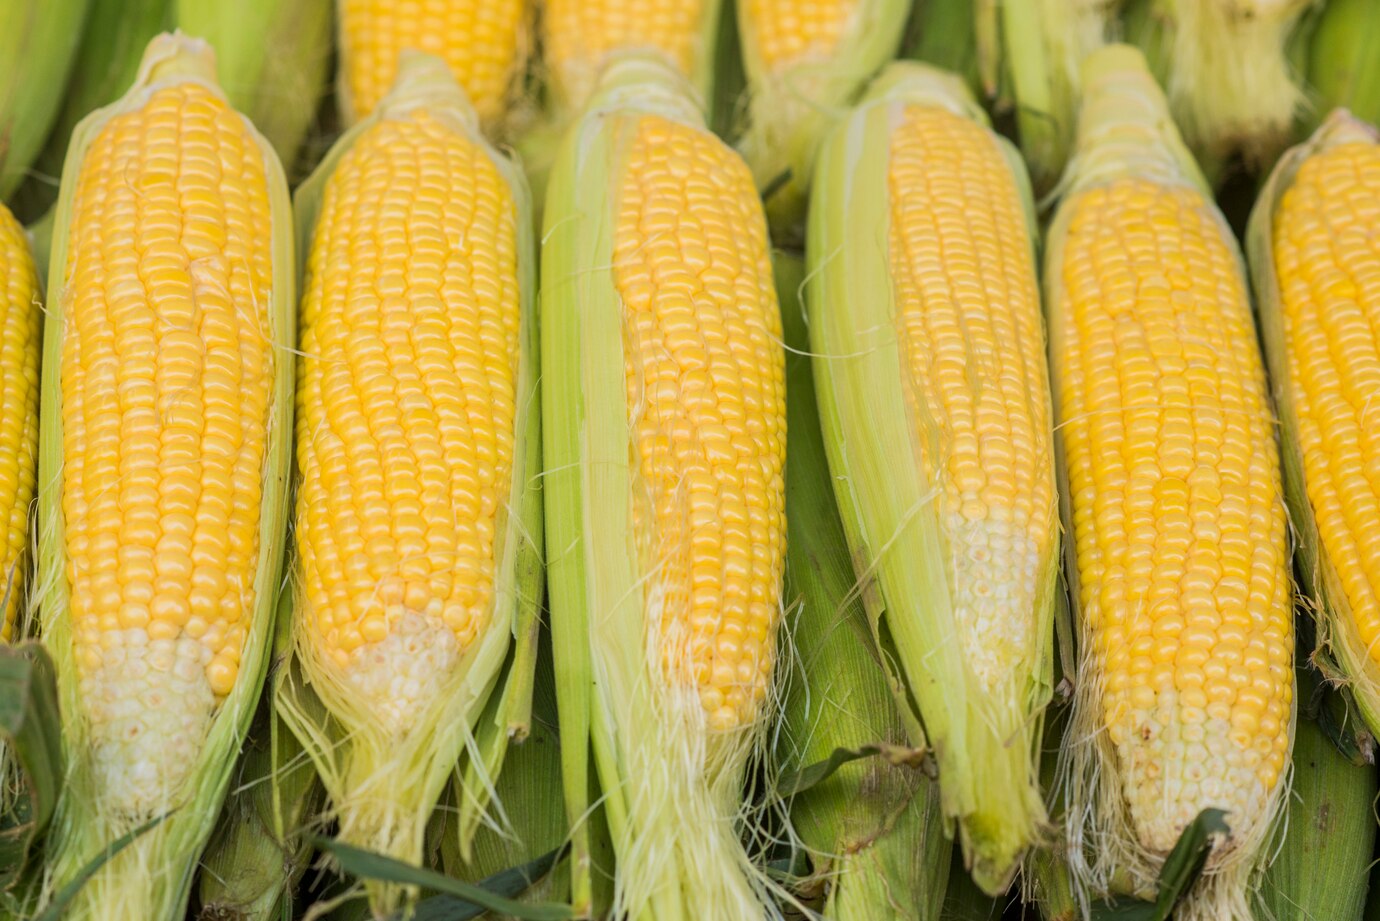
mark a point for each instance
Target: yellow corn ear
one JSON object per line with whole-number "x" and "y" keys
{"x": 804, "y": 62}
{"x": 1179, "y": 569}
{"x": 483, "y": 41}
{"x": 19, "y": 347}
{"x": 579, "y": 37}
{"x": 664, "y": 489}
{"x": 163, "y": 459}
{"x": 1311, "y": 252}
{"x": 936, "y": 413}
{"x": 415, "y": 521}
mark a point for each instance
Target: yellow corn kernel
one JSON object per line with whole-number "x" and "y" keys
{"x": 481, "y": 40}
{"x": 790, "y": 30}
{"x": 407, "y": 396}
{"x": 19, "y": 339}
{"x": 581, "y": 34}
{"x": 1325, "y": 259}
{"x": 706, "y": 391}
{"x": 1176, "y": 498}
{"x": 959, "y": 247}
{"x": 166, "y": 381}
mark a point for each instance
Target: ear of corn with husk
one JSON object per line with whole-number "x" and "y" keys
{"x": 1309, "y": 243}
{"x": 936, "y": 417}
{"x": 37, "y": 47}
{"x": 416, "y": 578}
{"x": 664, "y": 489}
{"x": 164, "y": 456}
{"x": 1030, "y": 54}
{"x": 804, "y": 64}
{"x": 874, "y": 829}
{"x": 1179, "y": 567}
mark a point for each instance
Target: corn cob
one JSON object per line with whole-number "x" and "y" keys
{"x": 804, "y": 62}
{"x": 163, "y": 459}
{"x": 580, "y": 36}
{"x": 874, "y": 830}
{"x": 19, "y": 345}
{"x": 37, "y": 46}
{"x": 416, "y": 445}
{"x": 483, "y": 41}
{"x": 936, "y": 416}
{"x": 1029, "y": 58}
{"x": 664, "y": 487}
{"x": 1185, "y": 696}
{"x": 1309, "y": 243}
{"x": 1230, "y": 84}
{"x": 1344, "y": 59}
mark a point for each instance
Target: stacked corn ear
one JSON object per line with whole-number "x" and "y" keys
{"x": 665, "y": 457}
{"x": 164, "y": 447}
{"x": 1344, "y": 59}
{"x": 1231, "y": 86}
{"x": 935, "y": 408}
{"x": 260, "y": 848}
{"x": 19, "y": 347}
{"x": 37, "y": 47}
{"x": 272, "y": 59}
{"x": 416, "y": 515}
{"x": 1322, "y": 867}
{"x": 804, "y": 63}
{"x": 483, "y": 41}
{"x": 1029, "y": 55}
{"x": 1310, "y": 247}
{"x": 874, "y": 829}
{"x": 1179, "y": 564}
{"x": 579, "y": 37}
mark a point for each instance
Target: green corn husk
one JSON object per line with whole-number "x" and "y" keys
{"x": 38, "y": 43}
{"x": 1225, "y": 68}
{"x": 1344, "y": 59}
{"x": 260, "y": 849}
{"x": 487, "y": 700}
{"x": 531, "y": 821}
{"x": 791, "y": 105}
{"x": 670, "y": 787}
{"x": 1337, "y": 632}
{"x": 272, "y": 58}
{"x": 1322, "y": 867}
{"x": 1126, "y": 132}
{"x": 944, "y": 33}
{"x": 152, "y": 878}
{"x": 874, "y": 830}
{"x": 1030, "y": 55}
{"x": 986, "y": 741}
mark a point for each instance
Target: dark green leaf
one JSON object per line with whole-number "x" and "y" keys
{"x": 510, "y": 883}
{"x": 29, "y": 720}
{"x": 1180, "y": 871}
{"x": 367, "y": 865}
